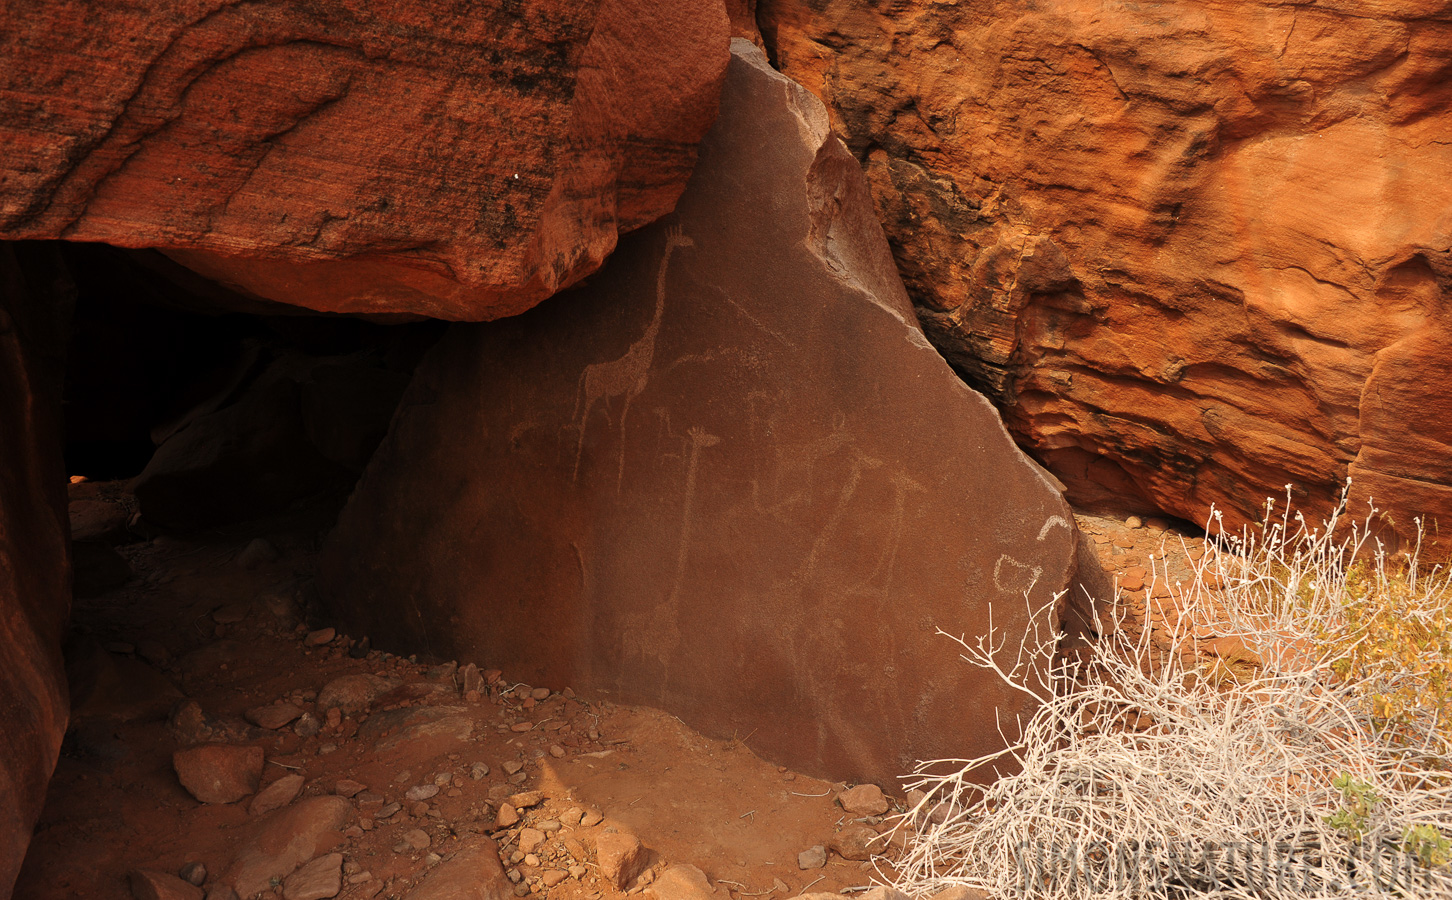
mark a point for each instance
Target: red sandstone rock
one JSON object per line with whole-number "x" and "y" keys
{"x": 34, "y": 583}
{"x": 729, "y": 477}
{"x": 1195, "y": 256}
{"x": 219, "y": 773}
{"x": 620, "y": 857}
{"x": 285, "y": 840}
{"x": 385, "y": 157}
{"x": 318, "y": 880}
{"x": 857, "y": 842}
{"x": 149, "y": 885}
{"x": 471, "y": 874}
{"x": 276, "y": 795}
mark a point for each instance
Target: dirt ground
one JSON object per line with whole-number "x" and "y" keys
{"x": 221, "y": 619}
{"x": 217, "y": 620}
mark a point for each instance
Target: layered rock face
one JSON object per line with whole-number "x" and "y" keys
{"x": 35, "y": 297}
{"x": 462, "y": 162}
{"x": 728, "y": 477}
{"x": 1196, "y": 252}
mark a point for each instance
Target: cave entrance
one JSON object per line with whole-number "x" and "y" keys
{"x": 191, "y": 409}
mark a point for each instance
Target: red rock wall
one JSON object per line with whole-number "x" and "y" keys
{"x": 35, "y": 585}
{"x": 461, "y": 162}
{"x": 1196, "y": 251}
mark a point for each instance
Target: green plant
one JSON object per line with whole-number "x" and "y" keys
{"x": 1358, "y": 800}
{"x": 1428, "y": 845}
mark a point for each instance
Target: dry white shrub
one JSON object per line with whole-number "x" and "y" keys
{"x": 1147, "y": 772}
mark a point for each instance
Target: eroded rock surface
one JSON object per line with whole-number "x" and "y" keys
{"x": 463, "y": 163}
{"x": 1195, "y": 255}
{"x": 35, "y": 299}
{"x": 729, "y": 478}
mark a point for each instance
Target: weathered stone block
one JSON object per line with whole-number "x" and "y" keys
{"x": 729, "y": 477}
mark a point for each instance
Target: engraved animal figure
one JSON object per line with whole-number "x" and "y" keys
{"x": 668, "y": 613}
{"x": 627, "y": 375}
{"x": 657, "y": 635}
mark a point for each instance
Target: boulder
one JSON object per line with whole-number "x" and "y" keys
{"x": 681, "y": 881}
{"x": 318, "y": 880}
{"x": 285, "y": 840}
{"x": 1195, "y": 256}
{"x": 470, "y": 874}
{"x": 276, "y": 795}
{"x": 353, "y": 693}
{"x": 35, "y": 592}
{"x": 463, "y": 163}
{"x": 219, "y": 773}
{"x": 729, "y": 478}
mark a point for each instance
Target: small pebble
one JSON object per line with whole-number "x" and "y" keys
{"x": 526, "y": 799}
{"x": 421, "y": 791}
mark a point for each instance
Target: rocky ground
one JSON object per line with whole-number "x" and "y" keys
{"x": 221, "y": 742}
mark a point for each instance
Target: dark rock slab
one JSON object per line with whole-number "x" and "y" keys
{"x": 35, "y": 298}
{"x": 729, "y": 477}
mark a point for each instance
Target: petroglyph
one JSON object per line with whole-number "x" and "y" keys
{"x": 1015, "y": 572}
{"x": 1053, "y": 521}
{"x": 902, "y": 487}
{"x": 663, "y": 624}
{"x": 627, "y": 375}
{"x": 839, "y": 512}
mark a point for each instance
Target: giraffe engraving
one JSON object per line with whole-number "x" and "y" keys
{"x": 627, "y": 375}
{"x": 668, "y": 613}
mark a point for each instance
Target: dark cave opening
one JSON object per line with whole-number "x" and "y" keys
{"x": 218, "y": 410}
